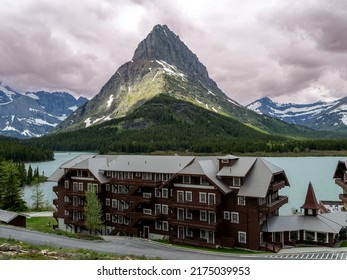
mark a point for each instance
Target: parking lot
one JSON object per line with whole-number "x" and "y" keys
{"x": 311, "y": 256}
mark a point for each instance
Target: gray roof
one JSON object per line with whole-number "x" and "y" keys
{"x": 7, "y": 216}
{"x": 150, "y": 164}
{"x": 239, "y": 169}
{"x": 208, "y": 168}
{"x": 258, "y": 181}
{"x": 319, "y": 223}
{"x": 87, "y": 161}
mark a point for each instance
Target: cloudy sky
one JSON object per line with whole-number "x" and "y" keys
{"x": 288, "y": 50}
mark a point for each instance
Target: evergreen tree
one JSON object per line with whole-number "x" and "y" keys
{"x": 30, "y": 174}
{"x": 93, "y": 212}
{"x": 22, "y": 172}
{"x": 37, "y": 195}
{"x": 10, "y": 185}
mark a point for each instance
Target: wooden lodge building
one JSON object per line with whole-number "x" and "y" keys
{"x": 204, "y": 201}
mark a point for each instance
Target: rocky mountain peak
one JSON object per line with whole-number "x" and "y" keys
{"x": 163, "y": 44}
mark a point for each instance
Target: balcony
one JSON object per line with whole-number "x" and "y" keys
{"x": 71, "y": 207}
{"x": 75, "y": 193}
{"x": 55, "y": 202}
{"x": 145, "y": 216}
{"x": 196, "y": 224}
{"x": 343, "y": 198}
{"x": 269, "y": 208}
{"x": 136, "y": 182}
{"x": 194, "y": 206}
{"x": 278, "y": 185}
{"x": 56, "y": 189}
{"x": 341, "y": 183}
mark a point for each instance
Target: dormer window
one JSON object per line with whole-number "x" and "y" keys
{"x": 225, "y": 161}
{"x": 186, "y": 179}
{"x": 236, "y": 181}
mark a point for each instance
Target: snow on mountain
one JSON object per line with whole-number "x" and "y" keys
{"x": 319, "y": 115}
{"x": 33, "y": 114}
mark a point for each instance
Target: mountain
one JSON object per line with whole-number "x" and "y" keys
{"x": 324, "y": 116}
{"x": 163, "y": 64}
{"x": 34, "y": 114}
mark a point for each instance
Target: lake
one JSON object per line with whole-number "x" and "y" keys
{"x": 299, "y": 170}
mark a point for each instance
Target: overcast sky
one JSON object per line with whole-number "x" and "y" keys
{"x": 288, "y": 50}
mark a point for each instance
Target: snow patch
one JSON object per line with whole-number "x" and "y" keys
{"x": 170, "y": 69}
{"x": 207, "y": 106}
{"x": 210, "y": 92}
{"x": 198, "y": 101}
{"x": 33, "y": 96}
{"x": 99, "y": 119}
{"x": 109, "y": 101}
{"x": 344, "y": 118}
{"x": 88, "y": 122}
{"x": 73, "y": 108}
{"x": 214, "y": 109}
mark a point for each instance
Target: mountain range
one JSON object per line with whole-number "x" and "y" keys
{"x": 323, "y": 116}
{"x": 33, "y": 114}
{"x": 163, "y": 64}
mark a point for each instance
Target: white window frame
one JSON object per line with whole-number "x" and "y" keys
{"x": 242, "y": 237}
{"x": 234, "y": 217}
{"x": 165, "y": 193}
{"x": 165, "y": 226}
{"x": 157, "y": 192}
{"x": 225, "y": 161}
{"x": 157, "y": 225}
{"x": 237, "y": 181}
{"x": 66, "y": 184}
{"x": 188, "y": 196}
{"x": 226, "y": 215}
{"x": 66, "y": 213}
{"x": 189, "y": 232}
{"x": 114, "y": 203}
{"x": 80, "y": 186}
{"x": 180, "y": 194}
{"x": 107, "y": 202}
{"x": 165, "y": 209}
{"x": 189, "y": 214}
{"x": 107, "y": 187}
{"x": 212, "y": 201}
{"x": 203, "y": 215}
{"x": 202, "y": 197}
{"x": 186, "y": 179}
{"x": 241, "y": 200}
{"x": 107, "y": 217}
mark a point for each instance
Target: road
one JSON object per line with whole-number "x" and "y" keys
{"x": 120, "y": 245}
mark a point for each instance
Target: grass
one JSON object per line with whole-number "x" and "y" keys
{"x": 25, "y": 251}
{"x": 343, "y": 244}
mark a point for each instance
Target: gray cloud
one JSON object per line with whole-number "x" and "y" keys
{"x": 287, "y": 50}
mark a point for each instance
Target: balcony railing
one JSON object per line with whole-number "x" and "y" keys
{"x": 196, "y": 224}
{"x": 55, "y": 202}
{"x": 278, "y": 185}
{"x": 74, "y": 222}
{"x": 274, "y": 205}
{"x": 55, "y": 189}
{"x": 136, "y": 182}
{"x": 194, "y": 206}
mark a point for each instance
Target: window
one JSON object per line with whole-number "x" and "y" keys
{"x": 180, "y": 214}
{"x": 202, "y": 197}
{"x": 114, "y": 203}
{"x": 158, "y": 225}
{"x": 107, "y": 202}
{"x": 108, "y": 216}
{"x": 165, "y": 193}
{"x": 242, "y": 237}
{"x": 80, "y": 187}
{"x": 114, "y": 189}
{"x": 204, "y": 181}
{"x": 186, "y": 179}
{"x": 138, "y": 174}
{"x": 234, "y": 217}
{"x": 241, "y": 200}
{"x": 147, "y": 176}
{"x": 66, "y": 199}
{"x": 226, "y": 215}
{"x": 225, "y": 161}
{"x": 203, "y": 216}
{"x": 66, "y": 184}
{"x": 180, "y": 196}
{"x": 66, "y": 213}
{"x": 236, "y": 181}
{"x": 108, "y": 173}
{"x": 203, "y": 234}
{"x": 165, "y": 209}
{"x": 157, "y": 192}
{"x": 157, "y": 209}
{"x": 114, "y": 219}
{"x": 75, "y": 186}
{"x": 211, "y": 199}
{"x": 189, "y": 214}
{"x": 80, "y": 216}
{"x": 188, "y": 196}
{"x": 107, "y": 187}
{"x": 120, "y": 220}
{"x": 165, "y": 226}
{"x": 147, "y": 211}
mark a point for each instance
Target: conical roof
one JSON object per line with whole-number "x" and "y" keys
{"x": 311, "y": 200}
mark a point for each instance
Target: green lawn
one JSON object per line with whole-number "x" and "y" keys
{"x": 43, "y": 224}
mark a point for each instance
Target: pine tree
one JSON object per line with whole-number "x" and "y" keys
{"x": 30, "y": 174}
{"x": 93, "y": 212}
{"x": 10, "y": 185}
